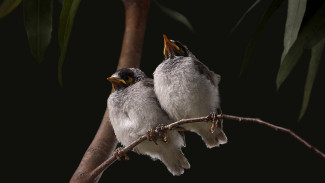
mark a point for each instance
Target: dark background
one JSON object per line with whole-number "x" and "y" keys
{"x": 46, "y": 130}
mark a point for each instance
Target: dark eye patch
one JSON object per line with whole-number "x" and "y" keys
{"x": 181, "y": 47}
{"x": 125, "y": 74}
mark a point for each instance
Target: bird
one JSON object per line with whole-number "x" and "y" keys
{"x": 134, "y": 110}
{"x": 186, "y": 88}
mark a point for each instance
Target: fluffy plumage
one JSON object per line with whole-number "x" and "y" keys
{"x": 186, "y": 88}
{"x": 134, "y": 109}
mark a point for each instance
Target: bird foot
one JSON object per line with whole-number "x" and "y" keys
{"x": 213, "y": 117}
{"x": 118, "y": 154}
{"x": 152, "y": 136}
{"x": 156, "y": 133}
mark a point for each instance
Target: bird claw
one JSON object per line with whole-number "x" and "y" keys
{"x": 158, "y": 132}
{"x": 213, "y": 118}
{"x": 152, "y": 136}
{"x": 118, "y": 155}
{"x": 216, "y": 122}
{"x": 165, "y": 137}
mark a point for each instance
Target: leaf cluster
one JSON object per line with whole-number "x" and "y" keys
{"x": 298, "y": 37}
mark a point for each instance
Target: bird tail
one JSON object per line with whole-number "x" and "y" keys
{"x": 215, "y": 139}
{"x": 175, "y": 162}
{"x": 211, "y": 139}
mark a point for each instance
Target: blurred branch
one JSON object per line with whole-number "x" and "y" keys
{"x": 105, "y": 141}
{"x": 172, "y": 126}
{"x": 135, "y": 25}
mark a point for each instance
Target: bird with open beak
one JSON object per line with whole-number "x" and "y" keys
{"x": 186, "y": 88}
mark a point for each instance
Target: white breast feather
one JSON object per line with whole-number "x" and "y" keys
{"x": 182, "y": 90}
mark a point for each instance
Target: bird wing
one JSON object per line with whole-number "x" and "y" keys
{"x": 143, "y": 108}
{"x": 149, "y": 83}
{"x": 210, "y": 75}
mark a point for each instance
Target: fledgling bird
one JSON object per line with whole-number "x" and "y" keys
{"x": 134, "y": 110}
{"x": 186, "y": 88}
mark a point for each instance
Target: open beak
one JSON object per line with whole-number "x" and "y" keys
{"x": 116, "y": 82}
{"x": 170, "y": 48}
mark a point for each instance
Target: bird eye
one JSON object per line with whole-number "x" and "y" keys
{"x": 129, "y": 80}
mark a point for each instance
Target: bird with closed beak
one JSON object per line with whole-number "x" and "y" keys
{"x": 186, "y": 88}
{"x": 134, "y": 110}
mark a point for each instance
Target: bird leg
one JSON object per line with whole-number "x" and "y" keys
{"x": 158, "y": 132}
{"x": 213, "y": 117}
{"x": 118, "y": 155}
{"x": 152, "y": 136}
{"x": 162, "y": 132}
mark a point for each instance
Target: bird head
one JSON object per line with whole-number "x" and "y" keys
{"x": 125, "y": 77}
{"x": 174, "y": 48}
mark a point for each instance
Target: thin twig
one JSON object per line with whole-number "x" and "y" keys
{"x": 277, "y": 128}
{"x": 176, "y": 124}
{"x": 101, "y": 168}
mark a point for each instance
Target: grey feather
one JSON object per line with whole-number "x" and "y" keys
{"x": 133, "y": 111}
{"x": 186, "y": 88}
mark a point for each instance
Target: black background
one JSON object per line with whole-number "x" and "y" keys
{"x": 46, "y": 130}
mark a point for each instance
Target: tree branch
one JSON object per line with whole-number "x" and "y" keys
{"x": 176, "y": 124}
{"x": 277, "y": 128}
{"x": 105, "y": 141}
{"x": 136, "y": 12}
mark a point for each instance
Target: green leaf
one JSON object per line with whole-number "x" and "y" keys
{"x": 38, "y": 23}
{"x": 175, "y": 15}
{"x": 244, "y": 15}
{"x": 316, "y": 55}
{"x": 251, "y": 44}
{"x": 312, "y": 29}
{"x": 295, "y": 14}
{"x": 289, "y": 61}
{"x": 316, "y": 37}
{"x": 7, "y": 6}
{"x": 68, "y": 12}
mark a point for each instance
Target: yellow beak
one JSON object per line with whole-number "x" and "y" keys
{"x": 170, "y": 48}
{"x": 116, "y": 82}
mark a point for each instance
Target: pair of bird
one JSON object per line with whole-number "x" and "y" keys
{"x": 183, "y": 87}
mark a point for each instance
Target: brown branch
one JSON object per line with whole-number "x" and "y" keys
{"x": 135, "y": 25}
{"x": 98, "y": 151}
{"x": 277, "y": 128}
{"x": 101, "y": 168}
{"x": 105, "y": 141}
{"x": 176, "y": 124}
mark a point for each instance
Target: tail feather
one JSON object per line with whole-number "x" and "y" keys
{"x": 211, "y": 139}
{"x": 175, "y": 162}
{"x": 214, "y": 139}
{"x": 221, "y": 136}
